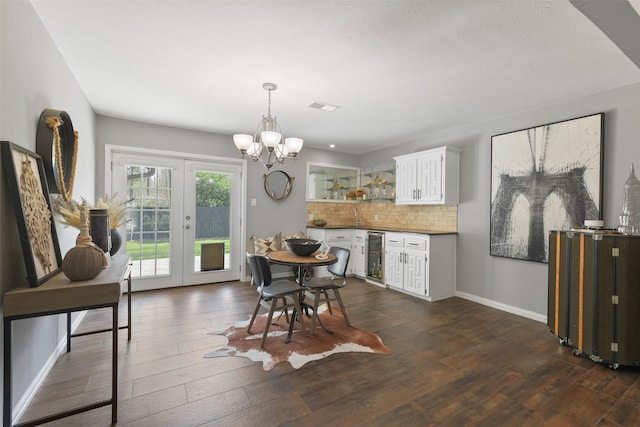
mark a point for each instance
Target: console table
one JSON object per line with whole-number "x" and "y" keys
{"x": 60, "y": 295}
{"x": 594, "y": 294}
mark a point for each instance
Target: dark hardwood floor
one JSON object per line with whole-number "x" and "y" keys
{"x": 454, "y": 363}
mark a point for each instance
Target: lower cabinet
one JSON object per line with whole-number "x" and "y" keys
{"x": 421, "y": 265}
{"x": 332, "y": 237}
{"x": 358, "y": 258}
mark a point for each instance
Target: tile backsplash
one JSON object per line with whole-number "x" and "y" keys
{"x": 418, "y": 218}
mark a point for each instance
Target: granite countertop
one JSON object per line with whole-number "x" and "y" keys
{"x": 389, "y": 229}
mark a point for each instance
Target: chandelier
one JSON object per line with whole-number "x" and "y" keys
{"x": 267, "y": 143}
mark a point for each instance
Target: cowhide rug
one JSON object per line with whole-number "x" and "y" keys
{"x": 302, "y": 348}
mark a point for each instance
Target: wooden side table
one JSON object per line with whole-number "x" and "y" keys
{"x": 60, "y": 295}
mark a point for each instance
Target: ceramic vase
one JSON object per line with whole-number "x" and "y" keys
{"x": 86, "y": 260}
{"x": 116, "y": 241}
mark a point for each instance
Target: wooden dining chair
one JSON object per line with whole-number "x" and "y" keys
{"x": 287, "y": 292}
{"x": 320, "y": 289}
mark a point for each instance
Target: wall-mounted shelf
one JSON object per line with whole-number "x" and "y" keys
{"x": 379, "y": 185}
{"x": 331, "y": 183}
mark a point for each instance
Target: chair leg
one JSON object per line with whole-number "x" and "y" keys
{"x": 316, "y": 303}
{"x": 328, "y": 300}
{"x": 286, "y": 309}
{"x": 344, "y": 312}
{"x": 266, "y": 327}
{"x": 253, "y": 316}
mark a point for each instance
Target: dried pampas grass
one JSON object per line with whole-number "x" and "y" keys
{"x": 68, "y": 212}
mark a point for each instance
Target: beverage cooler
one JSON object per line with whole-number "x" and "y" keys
{"x": 375, "y": 256}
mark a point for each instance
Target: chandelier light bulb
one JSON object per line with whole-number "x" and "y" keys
{"x": 242, "y": 141}
{"x": 281, "y": 152}
{"x": 254, "y": 150}
{"x": 294, "y": 145}
{"x": 270, "y": 139}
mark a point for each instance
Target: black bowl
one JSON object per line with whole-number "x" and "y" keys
{"x": 302, "y": 247}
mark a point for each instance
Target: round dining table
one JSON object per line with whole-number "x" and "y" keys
{"x": 288, "y": 258}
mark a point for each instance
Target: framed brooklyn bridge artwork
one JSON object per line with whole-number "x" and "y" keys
{"x": 544, "y": 178}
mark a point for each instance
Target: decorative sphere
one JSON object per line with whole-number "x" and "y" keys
{"x": 82, "y": 263}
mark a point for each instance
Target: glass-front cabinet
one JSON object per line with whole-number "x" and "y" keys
{"x": 332, "y": 183}
{"x": 379, "y": 184}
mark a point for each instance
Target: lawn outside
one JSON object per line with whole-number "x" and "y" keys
{"x": 162, "y": 249}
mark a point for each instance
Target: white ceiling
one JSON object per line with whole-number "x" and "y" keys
{"x": 397, "y": 69}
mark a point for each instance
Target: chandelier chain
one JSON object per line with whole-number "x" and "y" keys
{"x": 269, "y": 105}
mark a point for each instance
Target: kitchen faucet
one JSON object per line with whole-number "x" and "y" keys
{"x": 358, "y": 222}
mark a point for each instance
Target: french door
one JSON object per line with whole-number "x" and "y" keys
{"x": 185, "y": 219}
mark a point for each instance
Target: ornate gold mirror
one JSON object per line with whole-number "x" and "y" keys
{"x": 278, "y": 184}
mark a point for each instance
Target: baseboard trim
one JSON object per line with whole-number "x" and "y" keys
{"x": 23, "y": 403}
{"x": 504, "y": 307}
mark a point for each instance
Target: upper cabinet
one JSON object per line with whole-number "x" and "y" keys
{"x": 378, "y": 185}
{"x": 332, "y": 183}
{"x": 428, "y": 177}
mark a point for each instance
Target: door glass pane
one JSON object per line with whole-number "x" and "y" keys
{"x": 149, "y": 232}
{"x": 213, "y": 221}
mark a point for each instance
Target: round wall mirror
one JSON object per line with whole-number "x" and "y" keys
{"x": 278, "y": 184}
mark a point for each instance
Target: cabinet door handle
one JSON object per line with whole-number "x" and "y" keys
{"x": 419, "y": 193}
{"x": 405, "y": 257}
{"x": 414, "y": 194}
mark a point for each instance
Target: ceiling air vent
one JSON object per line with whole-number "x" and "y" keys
{"x": 323, "y": 106}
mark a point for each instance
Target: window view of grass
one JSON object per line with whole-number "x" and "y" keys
{"x": 150, "y": 250}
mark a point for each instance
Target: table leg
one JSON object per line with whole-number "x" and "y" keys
{"x": 295, "y": 312}
{"x": 114, "y": 367}
{"x": 7, "y": 404}
{"x": 129, "y": 306}
{"x": 68, "y": 332}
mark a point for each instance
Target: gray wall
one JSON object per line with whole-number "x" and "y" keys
{"x": 522, "y": 285}
{"x": 268, "y": 216}
{"x": 33, "y": 76}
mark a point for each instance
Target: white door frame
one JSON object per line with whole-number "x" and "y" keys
{"x": 110, "y": 149}
{"x": 231, "y": 273}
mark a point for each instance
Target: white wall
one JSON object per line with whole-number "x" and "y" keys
{"x": 33, "y": 76}
{"x": 522, "y": 285}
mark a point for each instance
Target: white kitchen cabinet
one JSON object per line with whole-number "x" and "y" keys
{"x": 358, "y": 259}
{"x": 393, "y": 260}
{"x": 428, "y": 177}
{"x": 421, "y": 265}
{"x": 332, "y": 237}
